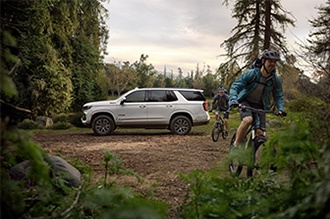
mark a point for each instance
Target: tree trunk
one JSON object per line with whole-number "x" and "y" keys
{"x": 267, "y": 24}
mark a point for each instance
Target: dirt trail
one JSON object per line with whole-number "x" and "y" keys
{"x": 157, "y": 157}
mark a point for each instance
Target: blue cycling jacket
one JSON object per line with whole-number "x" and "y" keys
{"x": 246, "y": 83}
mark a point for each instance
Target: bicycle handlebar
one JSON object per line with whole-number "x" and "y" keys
{"x": 255, "y": 110}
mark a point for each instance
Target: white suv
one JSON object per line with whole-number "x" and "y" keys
{"x": 176, "y": 109}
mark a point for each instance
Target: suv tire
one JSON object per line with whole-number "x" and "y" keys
{"x": 180, "y": 125}
{"x": 103, "y": 125}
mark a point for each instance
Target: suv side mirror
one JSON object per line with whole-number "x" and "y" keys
{"x": 122, "y": 101}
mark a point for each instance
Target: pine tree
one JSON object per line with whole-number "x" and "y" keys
{"x": 316, "y": 53}
{"x": 319, "y": 40}
{"x": 257, "y": 29}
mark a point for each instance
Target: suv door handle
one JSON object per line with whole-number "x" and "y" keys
{"x": 143, "y": 106}
{"x": 168, "y": 105}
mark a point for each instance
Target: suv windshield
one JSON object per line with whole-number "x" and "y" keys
{"x": 193, "y": 95}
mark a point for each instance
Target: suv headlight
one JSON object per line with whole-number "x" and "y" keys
{"x": 87, "y": 107}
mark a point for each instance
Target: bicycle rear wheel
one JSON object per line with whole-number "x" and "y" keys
{"x": 223, "y": 134}
{"x": 235, "y": 165}
{"x": 216, "y": 131}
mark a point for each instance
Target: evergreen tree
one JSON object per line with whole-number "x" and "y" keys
{"x": 198, "y": 82}
{"x": 317, "y": 53}
{"x": 89, "y": 42}
{"x": 179, "y": 81}
{"x": 59, "y": 46}
{"x": 258, "y": 28}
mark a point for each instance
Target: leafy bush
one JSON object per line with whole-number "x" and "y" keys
{"x": 306, "y": 104}
{"x": 61, "y": 126}
{"x": 29, "y": 125}
{"x": 60, "y": 118}
{"x": 74, "y": 119}
{"x": 316, "y": 113}
{"x": 298, "y": 190}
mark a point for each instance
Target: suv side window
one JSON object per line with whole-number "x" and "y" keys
{"x": 193, "y": 95}
{"x": 138, "y": 96}
{"x": 161, "y": 96}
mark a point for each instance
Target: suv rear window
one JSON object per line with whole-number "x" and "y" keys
{"x": 193, "y": 95}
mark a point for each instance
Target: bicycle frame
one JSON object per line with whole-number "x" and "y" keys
{"x": 219, "y": 118}
{"x": 250, "y": 143}
{"x": 218, "y": 127}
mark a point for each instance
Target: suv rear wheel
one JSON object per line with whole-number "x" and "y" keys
{"x": 103, "y": 125}
{"x": 180, "y": 125}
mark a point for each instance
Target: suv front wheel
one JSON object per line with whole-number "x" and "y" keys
{"x": 180, "y": 125}
{"x": 103, "y": 125}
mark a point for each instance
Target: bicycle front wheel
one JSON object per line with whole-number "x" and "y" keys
{"x": 215, "y": 132}
{"x": 235, "y": 165}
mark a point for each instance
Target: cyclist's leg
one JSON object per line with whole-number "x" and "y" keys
{"x": 246, "y": 120}
{"x": 261, "y": 128}
{"x": 225, "y": 118}
{"x": 216, "y": 114}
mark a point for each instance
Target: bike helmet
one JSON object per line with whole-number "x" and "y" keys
{"x": 271, "y": 54}
{"x": 221, "y": 89}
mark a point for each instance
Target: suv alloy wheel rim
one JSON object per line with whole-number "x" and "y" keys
{"x": 102, "y": 126}
{"x": 181, "y": 126}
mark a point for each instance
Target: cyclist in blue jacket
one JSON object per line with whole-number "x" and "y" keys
{"x": 223, "y": 105}
{"x": 254, "y": 88}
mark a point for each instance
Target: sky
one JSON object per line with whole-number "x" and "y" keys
{"x": 184, "y": 33}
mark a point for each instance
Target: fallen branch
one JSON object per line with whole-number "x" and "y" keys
{"x": 16, "y": 107}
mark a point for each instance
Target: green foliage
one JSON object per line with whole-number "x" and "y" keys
{"x": 29, "y": 125}
{"x": 62, "y": 117}
{"x": 306, "y": 104}
{"x": 75, "y": 119}
{"x": 113, "y": 167}
{"x": 16, "y": 147}
{"x": 295, "y": 149}
{"x": 121, "y": 204}
{"x": 59, "y": 45}
{"x": 299, "y": 189}
{"x": 315, "y": 112}
{"x": 226, "y": 198}
{"x": 71, "y": 118}
{"x": 7, "y": 63}
{"x": 61, "y": 126}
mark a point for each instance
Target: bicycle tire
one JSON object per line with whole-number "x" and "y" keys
{"x": 235, "y": 166}
{"x": 252, "y": 163}
{"x": 215, "y": 132}
{"x": 223, "y": 134}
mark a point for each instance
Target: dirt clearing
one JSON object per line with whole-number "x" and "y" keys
{"x": 157, "y": 157}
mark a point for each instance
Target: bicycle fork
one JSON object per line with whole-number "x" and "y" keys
{"x": 256, "y": 142}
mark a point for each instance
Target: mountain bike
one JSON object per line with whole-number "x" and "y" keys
{"x": 247, "y": 153}
{"x": 218, "y": 127}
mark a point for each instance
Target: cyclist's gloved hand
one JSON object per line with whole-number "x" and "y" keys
{"x": 281, "y": 113}
{"x": 210, "y": 110}
{"x": 234, "y": 105}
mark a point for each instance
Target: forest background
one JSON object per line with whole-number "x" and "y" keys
{"x": 52, "y": 55}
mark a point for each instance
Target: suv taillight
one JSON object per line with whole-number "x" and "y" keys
{"x": 206, "y": 106}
